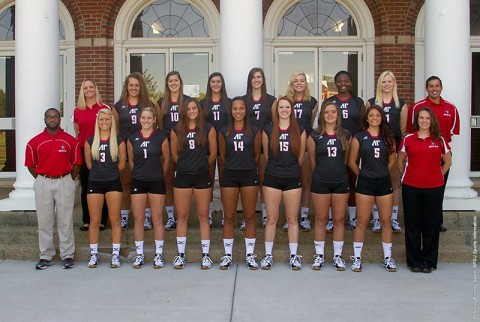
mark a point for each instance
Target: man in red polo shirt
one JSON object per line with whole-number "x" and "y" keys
{"x": 446, "y": 113}
{"x": 53, "y": 158}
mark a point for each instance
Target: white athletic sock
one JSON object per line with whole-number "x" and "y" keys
{"x": 387, "y": 249}
{"x": 293, "y": 248}
{"x": 395, "y": 213}
{"x": 181, "y": 243}
{"x": 319, "y": 247}
{"x": 352, "y": 212}
{"x": 375, "y": 212}
{"x": 250, "y": 245}
{"x": 337, "y": 248}
{"x": 115, "y": 249}
{"x": 94, "y": 248}
{"x": 210, "y": 211}
{"x": 139, "y": 247}
{"x": 357, "y": 249}
{"x": 148, "y": 213}
{"x": 264, "y": 211}
{"x": 304, "y": 212}
{"x": 330, "y": 214}
{"x": 205, "y": 246}
{"x": 170, "y": 211}
{"x": 228, "y": 245}
{"x": 124, "y": 214}
{"x": 268, "y": 248}
{"x": 158, "y": 246}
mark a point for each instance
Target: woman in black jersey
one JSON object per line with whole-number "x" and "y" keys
{"x": 239, "y": 146}
{"x": 168, "y": 115}
{"x": 352, "y": 109}
{"x": 127, "y": 118}
{"x": 375, "y": 147}
{"x": 194, "y": 149}
{"x": 396, "y": 112}
{"x": 259, "y": 109}
{"x": 327, "y": 149}
{"x": 215, "y": 107}
{"x": 104, "y": 156}
{"x": 149, "y": 155}
{"x": 303, "y": 108}
{"x": 284, "y": 143}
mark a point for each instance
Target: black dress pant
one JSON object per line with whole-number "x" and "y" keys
{"x": 422, "y": 210}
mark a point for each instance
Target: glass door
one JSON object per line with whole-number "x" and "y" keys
{"x": 288, "y": 62}
{"x": 475, "y": 112}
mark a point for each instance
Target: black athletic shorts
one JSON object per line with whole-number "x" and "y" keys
{"x": 201, "y": 180}
{"x": 239, "y": 178}
{"x": 283, "y": 184}
{"x": 102, "y": 187}
{"x": 156, "y": 187}
{"x": 374, "y": 186}
{"x": 329, "y": 188}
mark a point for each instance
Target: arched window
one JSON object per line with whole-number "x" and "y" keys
{"x": 320, "y": 37}
{"x": 155, "y": 37}
{"x": 7, "y": 78}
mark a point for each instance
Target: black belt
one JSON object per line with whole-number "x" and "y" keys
{"x": 53, "y": 177}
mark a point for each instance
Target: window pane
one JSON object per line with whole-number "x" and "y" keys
{"x": 474, "y": 17}
{"x": 152, "y": 66}
{"x": 169, "y": 19}
{"x": 317, "y": 18}
{"x": 7, "y": 86}
{"x": 62, "y": 80}
{"x": 333, "y": 62}
{"x": 290, "y": 62}
{"x": 7, "y": 24}
{"x": 194, "y": 70}
{"x": 7, "y": 151}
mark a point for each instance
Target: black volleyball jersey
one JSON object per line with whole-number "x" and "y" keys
{"x": 147, "y": 156}
{"x": 171, "y": 117}
{"x": 303, "y": 113}
{"x": 129, "y": 118}
{"x": 239, "y": 149}
{"x": 259, "y": 114}
{"x": 193, "y": 158}
{"x": 104, "y": 169}
{"x": 217, "y": 113}
{"x": 330, "y": 159}
{"x": 392, "y": 112}
{"x": 373, "y": 155}
{"x": 285, "y": 164}
{"x": 350, "y": 111}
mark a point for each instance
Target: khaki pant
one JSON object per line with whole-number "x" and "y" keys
{"x": 55, "y": 196}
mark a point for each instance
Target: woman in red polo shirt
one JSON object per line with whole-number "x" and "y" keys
{"x": 423, "y": 159}
{"x": 84, "y": 121}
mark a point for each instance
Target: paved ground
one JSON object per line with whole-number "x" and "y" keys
{"x": 125, "y": 294}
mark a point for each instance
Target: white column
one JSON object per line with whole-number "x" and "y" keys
{"x": 241, "y": 42}
{"x": 448, "y": 56}
{"x": 37, "y": 86}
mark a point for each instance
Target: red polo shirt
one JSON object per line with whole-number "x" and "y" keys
{"x": 446, "y": 113}
{"x": 53, "y": 155}
{"x": 424, "y": 161}
{"x": 85, "y": 119}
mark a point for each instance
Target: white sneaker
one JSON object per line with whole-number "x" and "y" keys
{"x": 170, "y": 225}
{"x": 251, "y": 263}
{"x": 93, "y": 262}
{"x": 226, "y": 262}
{"x": 285, "y": 226}
{"x": 389, "y": 264}
{"x": 115, "y": 263}
{"x": 305, "y": 225}
{"x": 138, "y": 261}
{"x": 295, "y": 262}
{"x": 376, "y": 227}
{"x": 124, "y": 222}
{"x": 396, "y": 226}
{"x": 179, "y": 261}
{"x": 357, "y": 264}
{"x": 352, "y": 224}
{"x": 158, "y": 261}
{"x": 318, "y": 262}
{"x": 242, "y": 225}
{"x": 339, "y": 263}
{"x": 206, "y": 262}
{"x": 267, "y": 262}
{"x": 329, "y": 226}
{"x": 147, "y": 224}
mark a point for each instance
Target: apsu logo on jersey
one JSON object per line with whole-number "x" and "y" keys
{"x": 433, "y": 145}
{"x": 62, "y": 149}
